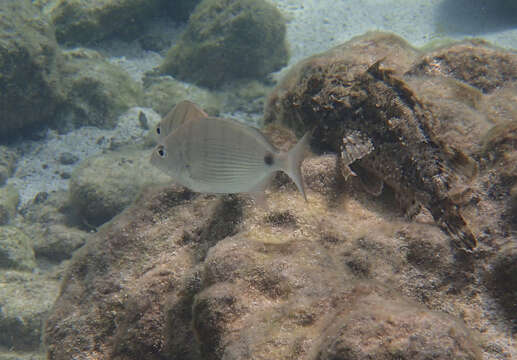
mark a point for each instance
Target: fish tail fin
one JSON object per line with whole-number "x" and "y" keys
{"x": 294, "y": 161}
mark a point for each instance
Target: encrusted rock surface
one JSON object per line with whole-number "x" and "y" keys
{"x": 227, "y": 40}
{"x": 346, "y": 275}
{"x": 29, "y": 68}
{"x": 21, "y": 318}
{"x": 97, "y": 92}
{"x": 102, "y": 186}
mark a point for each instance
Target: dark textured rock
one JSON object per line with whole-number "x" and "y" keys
{"x": 424, "y": 125}
{"x": 82, "y": 21}
{"x": 29, "y": 62}
{"x": 475, "y": 62}
{"x": 227, "y": 40}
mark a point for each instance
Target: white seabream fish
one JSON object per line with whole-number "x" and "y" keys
{"x": 216, "y": 155}
{"x": 183, "y": 111}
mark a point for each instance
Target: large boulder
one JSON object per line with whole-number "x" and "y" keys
{"x": 344, "y": 275}
{"x": 29, "y": 63}
{"x": 83, "y": 21}
{"x": 227, "y": 40}
{"x": 97, "y": 92}
{"x": 102, "y": 186}
{"x": 198, "y": 277}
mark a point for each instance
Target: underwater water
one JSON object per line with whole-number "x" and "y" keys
{"x": 405, "y": 246}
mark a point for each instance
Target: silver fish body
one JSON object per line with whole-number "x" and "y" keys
{"x": 183, "y": 111}
{"x": 216, "y": 155}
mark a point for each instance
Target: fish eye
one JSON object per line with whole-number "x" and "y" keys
{"x": 161, "y": 151}
{"x": 158, "y": 131}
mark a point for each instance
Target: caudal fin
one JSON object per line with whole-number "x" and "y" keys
{"x": 294, "y": 161}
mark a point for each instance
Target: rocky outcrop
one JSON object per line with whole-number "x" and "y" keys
{"x": 97, "y": 92}
{"x": 345, "y": 275}
{"x": 29, "y": 63}
{"x": 102, "y": 186}
{"x": 227, "y": 40}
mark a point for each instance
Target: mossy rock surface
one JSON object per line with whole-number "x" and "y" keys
{"x": 29, "y": 61}
{"x": 227, "y": 40}
{"x": 25, "y": 300}
{"x": 16, "y": 250}
{"x": 104, "y": 185}
{"x": 84, "y": 21}
{"x": 97, "y": 92}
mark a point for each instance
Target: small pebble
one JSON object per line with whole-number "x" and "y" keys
{"x": 67, "y": 158}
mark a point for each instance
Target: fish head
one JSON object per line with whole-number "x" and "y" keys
{"x": 182, "y": 113}
{"x": 170, "y": 159}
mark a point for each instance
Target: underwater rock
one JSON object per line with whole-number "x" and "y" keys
{"x": 97, "y": 92}
{"x": 29, "y": 62}
{"x": 423, "y": 130}
{"x": 227, "y": 40}
{"x": 7, "y": 163}
{"x": 475, "y": 62}
{"x": 25, "y": 300}
{"x": 186, "y": 276}
{"x": 57, "y": 242}
{"x": 163, "y": 92}
{"x": 102, "y": 186}
{"x": 16, "y": 250}
{"x": 83, "y": 21}
{"x": 246, "y": 96}
{"x": 9, "y": 199}
{"x": 380, "y": 325}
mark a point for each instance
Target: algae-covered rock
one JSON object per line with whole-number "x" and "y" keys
{"x": 9, "y": 199}
{"x": 97, "y": 92}
{"x": 57, "y": 242}
{"x": 378, "y": 324}
{"x": 25, "y": 300}
{"x": 83, "y": 21}
{"x": 16, "y": 250}
{"x": 102, "y": 186}
{"x": 475, "y": 62}
{"x": 344, "y": 275}
{"x": 162, "y": 93}
{"x": 227, "y": 40}
{"x": 229, "y": 280}
{"x": 29, "y": 62}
